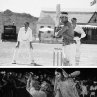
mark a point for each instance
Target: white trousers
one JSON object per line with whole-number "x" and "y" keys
{"x": 72, "y": 53}
{"x": 77, "y": 57}
{"x": 23, "y": 54}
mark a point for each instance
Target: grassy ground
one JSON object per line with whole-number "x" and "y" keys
{"x": 43, "y": 53}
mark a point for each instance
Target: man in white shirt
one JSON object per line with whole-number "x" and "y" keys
{"x": 24, "y": 40}
{"x": 79, "y": 32}
{"x": 78, "y": 35}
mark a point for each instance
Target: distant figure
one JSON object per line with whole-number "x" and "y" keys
{"x": 68, "y": 35}
{"x": 78, "y": 35}
{"x": 92, "y": 91}
{"x": 24, "y": 45}
{"x": 84, "y": 90}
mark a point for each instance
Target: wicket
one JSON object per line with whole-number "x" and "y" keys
{"x": 57, "y": 57}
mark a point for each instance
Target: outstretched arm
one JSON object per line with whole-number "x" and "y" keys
{"x": 28, "y": 84}
{"x": 18, "y": 39}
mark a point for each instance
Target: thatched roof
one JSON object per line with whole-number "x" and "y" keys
{"x": 82, "y": 17}
{"x": 46, "y": 20}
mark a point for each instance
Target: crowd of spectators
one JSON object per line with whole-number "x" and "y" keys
{"x": 14, "y": 84}
{"x": 28, "y": 84}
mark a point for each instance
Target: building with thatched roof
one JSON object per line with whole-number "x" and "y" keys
{"x": 87, "y": 20}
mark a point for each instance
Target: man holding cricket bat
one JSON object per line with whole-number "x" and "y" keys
{"x": 24, "y": 45}
{"x": 67, "y": 34}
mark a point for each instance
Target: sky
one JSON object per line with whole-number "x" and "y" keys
{"x": 34, "y": 7}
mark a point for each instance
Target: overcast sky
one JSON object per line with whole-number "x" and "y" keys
{"x": 34, "y": 7}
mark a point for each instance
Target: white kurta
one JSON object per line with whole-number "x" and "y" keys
{"x": 79, "y": 30}
{"x": 24, "y": 53}
{"x": 25, "y": 36}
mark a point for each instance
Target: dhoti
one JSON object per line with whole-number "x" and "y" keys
{"x": 23, "y": 54}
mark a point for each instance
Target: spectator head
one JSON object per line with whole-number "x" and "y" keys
{"x": 74, "y": 20}
{"x": 45, "y": 86}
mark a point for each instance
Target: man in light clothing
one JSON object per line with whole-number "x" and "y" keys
{"x": 78, "y": 35}
{"x": 24, "y": 44}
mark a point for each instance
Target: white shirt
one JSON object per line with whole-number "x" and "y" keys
{"x": 25, "y": 36}
{"x": 80, "y": 31}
